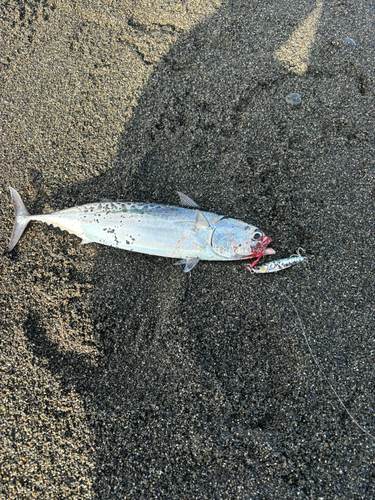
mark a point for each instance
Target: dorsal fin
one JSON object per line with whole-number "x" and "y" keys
{"x": 186, "y": 201}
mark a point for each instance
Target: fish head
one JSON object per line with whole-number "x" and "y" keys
{"x": 234, "y": 239}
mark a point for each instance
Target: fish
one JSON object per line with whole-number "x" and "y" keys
{"x": 179, "y": 232}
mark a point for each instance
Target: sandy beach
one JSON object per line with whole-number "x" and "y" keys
{"x": 122, "y": 377}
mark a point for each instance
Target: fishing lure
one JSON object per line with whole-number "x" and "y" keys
{"x": 187, "y": 233}
{"x": 279, "y": 265}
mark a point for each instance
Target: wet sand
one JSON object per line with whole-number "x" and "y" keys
{"x": 123, "y": 377}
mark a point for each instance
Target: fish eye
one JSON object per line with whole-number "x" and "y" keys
{"x": 257, "y": 235}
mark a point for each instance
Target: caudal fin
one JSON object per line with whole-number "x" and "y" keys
{"x": 22, "y": 218}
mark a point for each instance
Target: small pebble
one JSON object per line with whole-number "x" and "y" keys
{"x": 293, "y": 99}
{"x": 350, "y": 41}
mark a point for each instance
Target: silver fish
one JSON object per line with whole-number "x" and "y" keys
{"x": 187, "y": 233}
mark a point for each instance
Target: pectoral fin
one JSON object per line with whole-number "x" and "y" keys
{"x": 186, "y": 201}
{"x": 189, "y": 263}
{"x": 200, "y": 221}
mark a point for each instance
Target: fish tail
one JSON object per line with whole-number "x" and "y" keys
{"x": 22, "y": 218}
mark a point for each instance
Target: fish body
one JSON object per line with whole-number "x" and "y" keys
{"x": 162, "y": 230}
{"x": 182, "y": 232}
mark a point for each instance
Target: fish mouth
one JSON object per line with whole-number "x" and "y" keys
{"x": 261, "y": 247}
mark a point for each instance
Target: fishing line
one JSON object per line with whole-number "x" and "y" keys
{"x": 321, "y": 372}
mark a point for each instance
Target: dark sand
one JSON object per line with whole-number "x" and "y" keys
{"x": 123, "y": 377}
